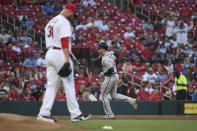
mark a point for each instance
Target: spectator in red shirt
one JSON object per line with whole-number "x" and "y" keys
{"x": 137, "y": 65}
{"x": 27, "y": 93}
{"x": 127, "y": 67}
{"x": 185, "y": 12}
{"x": 13, "y": 94}
{"x": 139, "y": 45}
{"x": 27, "y": 96}
{"x": 90, "y": 38}
{"x": 81, "y": 80}
{"x": 143, "y": 95}
{"x": 60, "y": 96}
{"x": 129, "y": 41}
{"x": 147, "y": 54}
{"x": 10, "y": 54}
{"x": 6, "y": 2}
{"x": 136, "y": 2}
{"x": 156, "y": 95}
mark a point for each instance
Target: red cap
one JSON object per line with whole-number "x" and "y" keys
{"x": 70, "y": 7}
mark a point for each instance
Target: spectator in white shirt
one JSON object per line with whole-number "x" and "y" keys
{"x": 106, "y": 40}
{"x": 87, "y": 96}
{"x": 85, "y": 3}
{"x": 128, "y": 34}
{"x": 7, "y": 86}
{"x": 149, "y": 88}
{"x": 99, "y": 24}
{"x": 170, "y": 26}
{"x": 16, "y": 48}
{"x": 181, "y": 33}
{"x": 88, "y": 2}
{"x": 169, "y": 66}
{"x": 23, "y": 17}
{"x": 149, "y": 76}
{"x": 147, "y": 25}
{"x": 41, "y": 61}
{"x": 81, "y": 26}
{"x": 89, "y": 23}
{"x": 3, "y": 36}
{"x": 173, "y": 41}
{"x": 91, "y": 2}
{"x": 105, "y": 27}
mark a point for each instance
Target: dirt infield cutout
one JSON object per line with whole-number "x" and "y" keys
{"x": 12, "y": 122}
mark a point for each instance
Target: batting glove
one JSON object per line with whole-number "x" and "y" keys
{"x": 101, "y": 74}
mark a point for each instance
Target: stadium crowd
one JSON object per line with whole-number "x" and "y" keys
{"x": 149, "y": 48}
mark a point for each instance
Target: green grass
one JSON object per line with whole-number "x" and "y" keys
{"x": 136, "y": 125}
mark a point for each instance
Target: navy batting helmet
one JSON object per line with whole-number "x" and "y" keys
{"x": 103, "y": 45}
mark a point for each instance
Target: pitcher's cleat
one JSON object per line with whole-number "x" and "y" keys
{"x": 46, "y": 118}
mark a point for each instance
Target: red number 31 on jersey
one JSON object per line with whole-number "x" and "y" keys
{"x": 50, "y": 33}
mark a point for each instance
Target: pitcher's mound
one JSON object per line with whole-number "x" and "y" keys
{"x": 12, "y": 122}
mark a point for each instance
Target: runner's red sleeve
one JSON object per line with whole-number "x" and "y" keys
{"x": 65, "y": 42}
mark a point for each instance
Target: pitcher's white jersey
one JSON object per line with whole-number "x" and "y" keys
{"x": 108, "y": 61}
{"x": 57, "y": 28}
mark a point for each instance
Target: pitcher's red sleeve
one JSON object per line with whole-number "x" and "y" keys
{"x": 65, "y": 42}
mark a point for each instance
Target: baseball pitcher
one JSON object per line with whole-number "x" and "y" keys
{"x": 58, "y": 34}
{"x": 109, "y": 85}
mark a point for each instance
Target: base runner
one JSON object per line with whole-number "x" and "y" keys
{"x": 109, "y": 85}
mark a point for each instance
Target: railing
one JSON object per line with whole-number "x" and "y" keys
{"x": 133, "y": 82}
{"x": 8, "y": 20}
{"x": 133, "y": 79}
{"x": 161, "y": 87}
{"x": 4, "y": 19}
{"x": 31, "y": 33}
{"x": 42, "y": 41}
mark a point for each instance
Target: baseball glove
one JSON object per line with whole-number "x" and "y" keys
{"x": 65, "y": 70}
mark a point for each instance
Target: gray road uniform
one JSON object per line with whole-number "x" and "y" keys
{"x": 109, "y": 85}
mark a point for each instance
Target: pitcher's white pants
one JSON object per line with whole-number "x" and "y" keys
{"x": 55, "y": 60}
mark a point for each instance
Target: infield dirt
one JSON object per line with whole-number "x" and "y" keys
{"x": 12, "y": 122}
